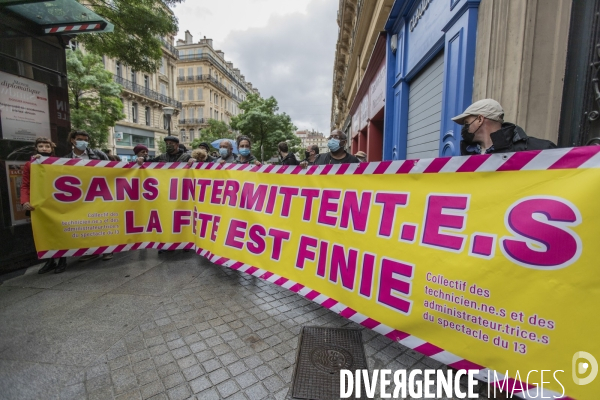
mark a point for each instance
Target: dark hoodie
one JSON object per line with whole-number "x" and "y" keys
{"x": 510, "y": 138}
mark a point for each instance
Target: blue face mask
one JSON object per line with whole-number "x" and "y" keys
{"x": 245, "y": 152}
{"x": 81, "y": 145}
{"x": 223, "y": 152}
{"x": 333, "y": 144}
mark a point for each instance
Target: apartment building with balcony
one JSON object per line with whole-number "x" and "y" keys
{"x": 208, "y": 87}
{"x": 144, "y": 98}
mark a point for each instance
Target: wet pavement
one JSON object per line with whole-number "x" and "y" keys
{"x": 168, "y": 326}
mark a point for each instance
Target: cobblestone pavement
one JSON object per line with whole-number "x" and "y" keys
{"x": 169, "y": 326}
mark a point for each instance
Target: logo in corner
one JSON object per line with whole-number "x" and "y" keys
{"x": 580, "y": 367}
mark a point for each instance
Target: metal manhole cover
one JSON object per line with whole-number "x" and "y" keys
{"x": 322, "y": 353}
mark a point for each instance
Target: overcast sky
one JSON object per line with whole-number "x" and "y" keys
{"x": 285, "y": 48}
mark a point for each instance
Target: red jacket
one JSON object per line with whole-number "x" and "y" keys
{"x": 25, "y": 183}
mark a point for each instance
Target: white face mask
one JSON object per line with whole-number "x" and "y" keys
{"x": 81, "y": 145}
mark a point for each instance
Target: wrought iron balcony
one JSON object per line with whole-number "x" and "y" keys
{"x": 144, "y": 91}
{"x": 217, "y": 64}
{"x": 211, "y": 79}
{"x": 192, "y": 121}
{"x": 170, "y": 47}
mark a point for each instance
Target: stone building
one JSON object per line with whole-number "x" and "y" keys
{"x": 538, "y": 59}
{"x": 208, "y": 86}
{"x": 144, "y": 97}
{"x": 359, "y": 24}
{"x": 309, "y": 138}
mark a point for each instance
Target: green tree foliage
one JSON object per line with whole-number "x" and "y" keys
{"x": 264, "y": 126}
{"x": 93, "y": 96}
{"x": 139, "y": 24}
{"x": 214, "y": 131}
{"x": 162, "y": 147}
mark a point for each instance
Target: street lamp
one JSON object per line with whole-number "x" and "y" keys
{"x": 168, "y": 112}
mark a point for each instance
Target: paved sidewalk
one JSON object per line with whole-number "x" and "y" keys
{"x": 169, "y": 326}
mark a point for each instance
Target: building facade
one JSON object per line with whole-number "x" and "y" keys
{"x": 208, "y": 86}
{"x": 430, "y": 68}
{"x": 310, "y": 138}
{"x": 144, "y": 98}
{"x": 360, "y": 23}
{"x": 367, "y": 110}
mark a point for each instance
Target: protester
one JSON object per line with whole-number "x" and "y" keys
{"x": 207, "y": 147}
{"x": 226, "y": 152}
{"x": 141, "y": 151}
{"x": 246, "y": 157}
{"x": 43, "y": 147}
{"x": 311, "y": 154}
{"x": 485, "y": 132}
{"x": 287, "y": 158}
{"x": 173, "y": 154}
{"x": 79, "y": 140}
{"x": 361, "y": 155}
{"x": 337, "y": 154}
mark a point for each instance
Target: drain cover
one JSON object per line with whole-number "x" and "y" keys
{"x": 322, "y": 353}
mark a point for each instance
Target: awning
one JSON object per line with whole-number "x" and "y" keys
{"x": 57, "y": 17}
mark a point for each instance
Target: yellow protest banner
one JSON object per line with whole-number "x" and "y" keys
{"x": 483, "y": 261}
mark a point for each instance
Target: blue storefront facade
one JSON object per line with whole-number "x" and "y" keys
{"x": 430, "y": 68}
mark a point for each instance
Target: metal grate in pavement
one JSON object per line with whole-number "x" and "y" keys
{"x": 322, "y": 353}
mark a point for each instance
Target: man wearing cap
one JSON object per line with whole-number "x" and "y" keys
{"x": 484, "y": 131}
{"x": 141, "y": 151}
{"x": 173, "y": 154}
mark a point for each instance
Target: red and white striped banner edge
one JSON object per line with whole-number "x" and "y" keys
{"x": 536, "y": 160}
{"x": 72, "y": 28}
{"x": 410, "y": 341}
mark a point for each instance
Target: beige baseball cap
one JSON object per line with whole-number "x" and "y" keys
{"x": 489, "y": 108}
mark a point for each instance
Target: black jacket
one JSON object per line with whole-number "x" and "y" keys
{"x": 180, "y": 156}
{"x": 93, "y": 154}
{"x": 290, "y": 159}
{"x": 510, "y": 138}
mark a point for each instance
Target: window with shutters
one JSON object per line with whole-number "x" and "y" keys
{"x": 180, "y": 72}
{"x": 191, "y": 135}
{"x": 181, "y": 94}
{"x": 199, "y": 69}
{"x": 200, "y": 112}
{"x": 182, "y": 114}
{"x": 200, "y": 94}
{"x": 119, "y": 70}
{"x": 192, "y": 113}
{"x": 147, "y": 115}
{"x": 134, "y": 112}
{"x": 163, "y": 89}
{"x": 190, "y": 94}
{"x": 190, "y": 71}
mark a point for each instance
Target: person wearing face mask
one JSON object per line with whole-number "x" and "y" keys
{"x": 485, "y": 132}
{"x": 287, "y": 158}
{"x": 226, "y": 152}
{"x": 141, "y": 151}
{"x": 80, "y": 141}
{"x": 311, "y": 154}
{"x": 245, "y": 154}
{"x": 43, "y": 148}
{"x": 337, "y": 154}
{"x": 173, "y": 154}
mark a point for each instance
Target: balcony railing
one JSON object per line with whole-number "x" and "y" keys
{"x": 144, "y": 91}
{"x": 192, "y": 121}
{"x": 170, "y": 47}
{"x": 216, "y": 63}
{"x": 211, "y": 79}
